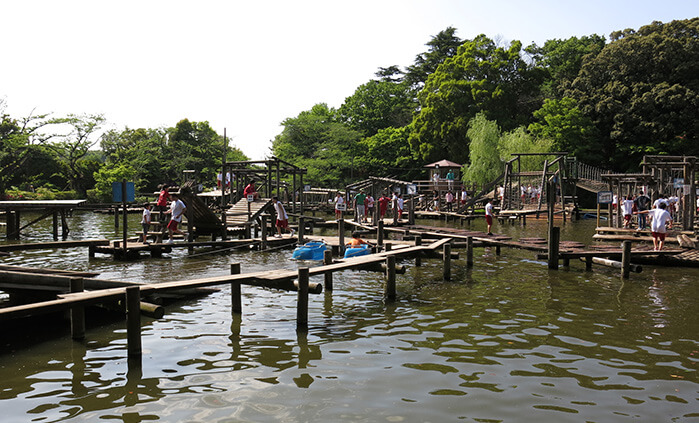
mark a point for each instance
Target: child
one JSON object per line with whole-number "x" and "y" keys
{"x": 161, "y": 204}
{"x": 627, "y": 208}
{"x": 282, "y": 218}
{"x": 177, "y": 209}
{"x": 145, "y": 221}
{"x": 356, "y": 241}
{"x": 489, "y": 214}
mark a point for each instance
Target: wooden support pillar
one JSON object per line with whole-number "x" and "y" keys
{"x": 387, "y": 246}
{"x": 446, "y": 256}
{"x": 379, "y": 232}
{"x": 391, "y": 277}
{"x": 341, "y": 235}
{"x": 236, "y": 291}
{"x": 625, "y": 259}
{"x": 469, "y": 251}
{"x": 411, "y": 210}
{"x": 116, "y": 217}
{"x": 498, "y": 249}
{"x": 418, "y": 241}
{"x": 302, "y": 229}
{"x": 523, "y": 220}
{"x": 55, "y": 225}
{"x": 77, "y": 313}
{"x": 588, "y": 263}
{"x": 133, "y": 321}
{"x": 263, "y": 235}
{"x": 328, "y": 259}
{"x": 553, "y": 244}
{"x": 302, "y": 304}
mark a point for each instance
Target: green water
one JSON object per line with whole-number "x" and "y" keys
{"x": 506, "y": 341}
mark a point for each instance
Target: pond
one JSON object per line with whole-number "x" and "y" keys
{"x": 507, "y": 340}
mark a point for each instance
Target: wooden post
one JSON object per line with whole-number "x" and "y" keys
{"x": 125, "y": 216}
{"x": 387, "y": 246}
{"x": 379, "y": 232}
{"x": 236, "y": 291}
{"x": 263, "y": 236}
{"x": 116, "y": 217}
{"x": 133, "y": 321}
{"x": 446, "y": 256}
{"x": 328, "y": 259}
{"x": 469, "y": 251}
{"x": 554, "y": 238}
{"x": 588, "y": 260}
{"x": 497, "y": 249}
{"x": 341, "y": 235}
{"x": 77, "y": 313}
{"x": 411, "y": 210}
{"x": 55, "y": 225}
{"x": 418, "y": 241}
{"x": 302, "y": 229}
{"x": 625, "y": 259}
{"x": 302, "y": 305}
{"x": 391, "y": 277}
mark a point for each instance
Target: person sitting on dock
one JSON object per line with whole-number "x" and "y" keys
{"x": 177, "y": 209}
{"x": 356, "y": 241}
{"x": 659, "y": 218}
{"x": 250, "y": 190}
{"x": 145, "y": 221}
{"x": 282, "y": 218}
{"x": 489, "y": 214}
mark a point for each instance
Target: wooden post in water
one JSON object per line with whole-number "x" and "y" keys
{"x": 236, "y": 291}
{"x": 379, "y": 233}
{"x": 55, "y": 225}
{"x": 446, "y": 256}
{"x": 302, "y": 229}
{"x": 625, "y": 259}
{"x": 554, "y": 239}
{"x": 341, "y": 235}
{"x": 387, "y": 246}
{"x": 263, "y": 235}
{"x": 302, "y": 304}
{"x": 411, "y": 210}
{"x": 588, "y": 259}
{"x": 469, "y": 251}
{"x": 133, "y": 321}
{"x": 328, "y": 259}
{"x": 391, "y": 277}
{"x": 116, "y": 217}
{"x": 418, "y": 241}
{"x": 77, "y": 313}
{"x": 125, "y": 215}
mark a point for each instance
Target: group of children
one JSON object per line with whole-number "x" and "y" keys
{"x": 659, "y": 213}
{"x": 176, "y": 211}
{"x": 364, "y": 205}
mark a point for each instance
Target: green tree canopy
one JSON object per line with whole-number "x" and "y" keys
{"x": 482, "y": 77}
{"x": 642, "y": 92}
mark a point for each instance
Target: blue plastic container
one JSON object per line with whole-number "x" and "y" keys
{"x": 361, "y": 250}
{"x": 313, "y": 250}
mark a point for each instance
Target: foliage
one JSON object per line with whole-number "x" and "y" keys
{"x": 377, "y": 105}
{"x": 107, "y": 175}
{"x": 562, "y": 122}
{"x": 387, "y": 154}
{"x": 522, "y": 142}
{"x": 441, "y": 46}
{"x": 482, "y": 77}
{"x": 562, "y": 59}
{"x": 642, "y": 93}
{"x": 485, "y": 163}
{"x": 318, "y": 141}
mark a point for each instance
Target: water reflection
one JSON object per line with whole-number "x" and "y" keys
{"x": 508, "y": 340}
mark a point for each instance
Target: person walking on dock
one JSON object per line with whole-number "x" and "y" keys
{"x": 282, "y": 218}
{"x": 359, "y": 201}
{"x": 659, "y": 217}
{"x": 399, "y": 202}
{"x": 145, "y": 221}
{"x": 339, "y": 201}
{"x": 177, "y": 209}
{"x": 627, "y": 209}
{"x": 449, "y": 198}
{"x": 383, "y": 205}
{"x": 642, "y": 202}
{"x": 369, "y": 202}
{"x": 161, "y": 204}
{"x": 489, "y": 214}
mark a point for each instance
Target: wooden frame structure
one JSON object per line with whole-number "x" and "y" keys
{"x": 54, "y": 208}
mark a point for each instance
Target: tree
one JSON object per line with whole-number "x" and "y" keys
{"x": 485, "y": 163}
{"x": 482, "y": 77}
{"x": 193, "y": 145}
{"x": 74, "y": 145}
{"x": 519, "y": 141}
{"x": 377, "y": 105}
{"x": 562, "y": 60}
{"x": 318, "y": 141}
{"x": 562, "y": 122}
{"x": 388, "y": 153}
{"x": 642, "y": 93}
{"x": 441, "y": 47}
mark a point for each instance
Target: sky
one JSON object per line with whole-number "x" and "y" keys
{"x": 246, "y": 66}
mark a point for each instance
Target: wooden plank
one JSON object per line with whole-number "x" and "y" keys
{"x": 51, "y": 245}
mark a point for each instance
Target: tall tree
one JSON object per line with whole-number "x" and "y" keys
{"x": 377, "y": 105}
{"x": 642, "y": 92}
{"x": 481, "y": 77}
{"x": 441, "y": 47}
